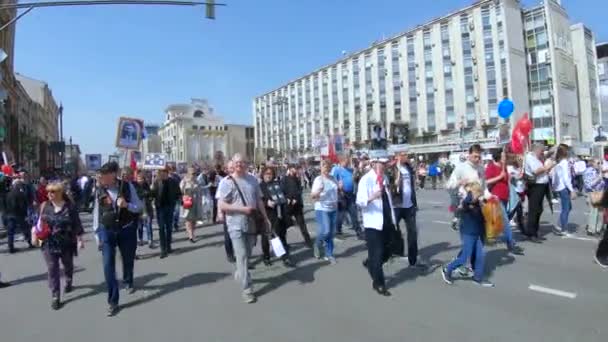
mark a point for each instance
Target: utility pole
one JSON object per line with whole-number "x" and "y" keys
{"x": 210, "y": 6}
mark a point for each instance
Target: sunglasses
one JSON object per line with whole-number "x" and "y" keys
{"x": 52, "y": 191}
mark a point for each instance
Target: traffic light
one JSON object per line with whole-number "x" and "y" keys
{"x": 210, "y": 9}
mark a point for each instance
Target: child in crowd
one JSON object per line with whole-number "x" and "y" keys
{"x": 472, "y": 229}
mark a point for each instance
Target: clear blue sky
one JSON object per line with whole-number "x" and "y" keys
{"x": 104, "y": 62}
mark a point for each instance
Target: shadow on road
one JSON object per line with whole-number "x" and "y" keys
{"x": 425, "y": 253}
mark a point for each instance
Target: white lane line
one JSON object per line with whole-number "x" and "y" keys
{"x": 441, "y": 222}
{"x": 554, "y": 292}
{"x": 579, "y": 238}
{"x": 435, "y": 202}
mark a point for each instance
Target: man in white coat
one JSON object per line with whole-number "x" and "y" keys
{"x": 378, "y": 220}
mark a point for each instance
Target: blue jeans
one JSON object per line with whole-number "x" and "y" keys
{"x": 176, "y": 217}
{"x": 470, "y": 244}
{"x": 145, "y": 223}
{"x": 507, "y": 234}
{"x": 566, "y": 202}
{"x": 326, "y": 228}
{"x": 350, "y": 208}
{"x": 126, "y": 240}
{"x": 164, "y": 217}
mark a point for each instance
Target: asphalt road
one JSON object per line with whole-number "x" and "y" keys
{"x": 554, "y": 293}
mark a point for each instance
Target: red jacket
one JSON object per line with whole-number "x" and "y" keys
{"x": 41, "y": 194}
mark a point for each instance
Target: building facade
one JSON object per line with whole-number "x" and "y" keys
{"x": 39, "y": 126}
{"x": 602, "y": 73}
{"x": 240, "y": 139}
{"x": 444, "y": 79}
{"x": 8, "y": 91}
{"x": 193, "y": 132}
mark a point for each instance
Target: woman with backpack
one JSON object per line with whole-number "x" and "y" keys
{"x": 59, "y": 231}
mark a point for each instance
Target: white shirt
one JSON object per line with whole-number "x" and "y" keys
{"x": 406, "y": 191}
{"x": 372, "y": 212}
{"x": 514, "y": 173}
{"x": 82, "y": 182}
{"x": 328, "y": 198}
{"x": 561, "y": 178}
{"x": 531, "y": 164}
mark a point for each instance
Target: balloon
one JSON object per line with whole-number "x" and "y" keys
{"x": 517, "y": 141}
{"x": 525, "y": 125}
{"x": 505, "y": 108}
{"x": 8, "y": 170}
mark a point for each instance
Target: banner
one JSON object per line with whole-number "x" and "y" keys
{"x": 129, "y": 133}
{"x": 92, "y": 161}
{"x": 399, "y": 133}
{"x": 155, "y": 161}
{"x": 182, "y": 168}
{"x": 377, "y": 137}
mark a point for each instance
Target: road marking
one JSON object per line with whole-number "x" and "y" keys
{"x": 435, "y": 202}
{"x": 441, "y": 222}
{"x": 578, "y": 238}
{"x": 554, "y": 292}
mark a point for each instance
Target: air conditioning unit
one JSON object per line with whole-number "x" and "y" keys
{"x": 476, "y": 98}
{"x": 471, "y": 26}
{"x": 476, "y": 77}
{"x": 418, "y": 94}
{"x": 472, "y": 44}
{"x": 435, "y": 88}
{"x": 453, "y": 62}
{"x": 474, "y": 60}
{"x": 416, "y": 65}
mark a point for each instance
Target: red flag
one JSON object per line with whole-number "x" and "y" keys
{"x": 133, "y": 163}
{"x": 332, "y": 151}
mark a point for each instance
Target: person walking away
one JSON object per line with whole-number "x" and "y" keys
{"x": 343, "y": 174}
{"x": 378, "y": 219}
{"x": 325, "y": 193}
{"x": 275, "y": 204}
{"x": 562, "y": 184}
{"x": 115, "y": 213}
{"x": 517, "y": 188}
{"x": 221, "y": 218}
{"x": 145, "y": 222}
{"x": 191, "y": 202}
{"x": 166, "y": 193}
{"x": 206, "y": 198}
{"x": 292, "y": 189}
{"x": 434, "y": 173}
{"x": 16, "y": 213}
{"x": 240, "y": 201}
{"x": 406, "y": 205}
{"x": 498, "y": 184}
{"x": 472, "y": 229}
{"x": 422, "y": 171}
{"x": 593, "y": 182}
{"x": 600, "y": 200}
{"x": 176, "y": 212}
{"x": 536, "y": 175}
{"x": 215, "y": 177}
{"x": 63, "y": 222}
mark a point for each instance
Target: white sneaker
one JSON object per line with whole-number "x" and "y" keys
{"x": 513, "y": 223}
{"x": 557, "y": 230}
{"x": 569, "y": 235}
{"x": 554, "y": 201}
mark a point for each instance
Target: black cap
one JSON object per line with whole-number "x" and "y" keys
{"x": 109, "y": 167}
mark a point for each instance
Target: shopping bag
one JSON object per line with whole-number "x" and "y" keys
{"x": 492, "y": 214}
{"x": 277, "y": 247}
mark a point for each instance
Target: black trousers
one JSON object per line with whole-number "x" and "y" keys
{"x": 536, "y": 194}
{"x": 602, "y": 247}
{"x": 377, "y": 244}
{"x": 298, "y": 214}
{"x": 518, "y": 213}
{"x": 279, "y": 227}
{"x": 409, "y": 216}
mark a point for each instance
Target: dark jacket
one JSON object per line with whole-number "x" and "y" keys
{"x": 17, "y": 201}
{"x": 272, "y": 192}
{"x": 166, "y": 193}
{"x": 292, "y": 189}
{"x": 65, "y": 226}
{"x": 396, "y": 189}
{"x": 145, "y": 195}
{"x": 472, "y": 221}
{"x": 109, "y": 217}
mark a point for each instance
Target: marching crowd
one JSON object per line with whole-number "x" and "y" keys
{"x": 375, "y": 195}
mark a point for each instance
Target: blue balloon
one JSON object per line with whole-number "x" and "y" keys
{"x": 505, "y": 108}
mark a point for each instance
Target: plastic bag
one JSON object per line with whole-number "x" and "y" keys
{"x": 492, "y": 214}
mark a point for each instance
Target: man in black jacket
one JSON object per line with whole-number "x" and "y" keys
{"x": 17, "y": 203}
{"x": 292, "y": 188}
{"x": 166, "y": 193}
{"x": 115, "y": 214}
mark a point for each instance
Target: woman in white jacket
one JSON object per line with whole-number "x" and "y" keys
{"x": 378, "y": 220}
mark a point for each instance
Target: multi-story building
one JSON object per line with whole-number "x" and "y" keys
{"x": 240, "y": 139}
{"x": 44, "y": 112}
{"x": 602, "y": 71}
{"x": 585, "y": 59}
{"x": 444, "y": 79}
{"x": 8, "y": 91}
{"x": 193, "y": 132}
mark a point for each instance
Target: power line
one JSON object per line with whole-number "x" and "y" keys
{"x": 108, "y": 2}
